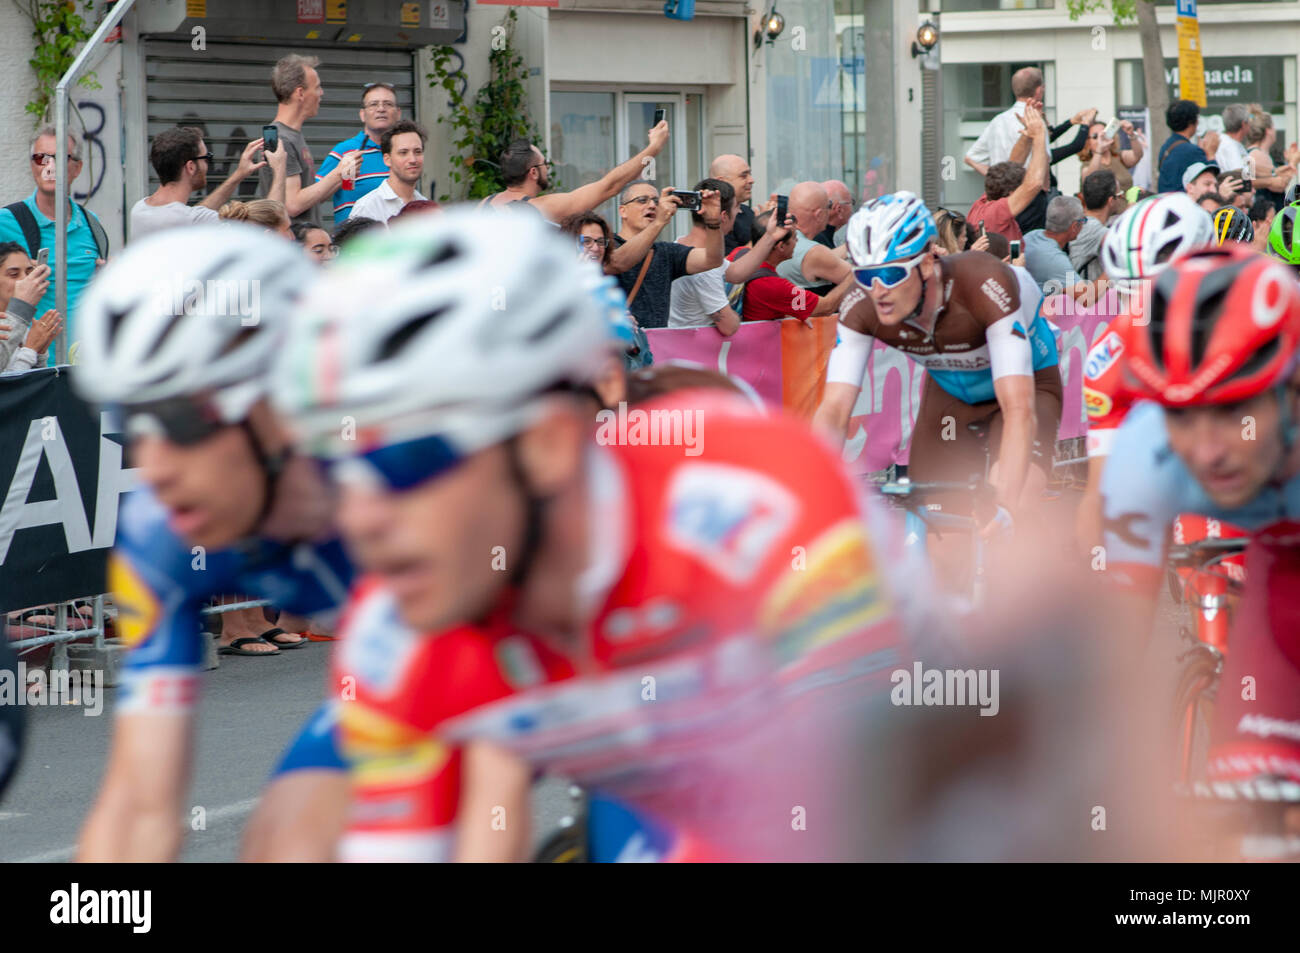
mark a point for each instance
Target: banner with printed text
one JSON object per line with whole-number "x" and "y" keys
{"x": 785, "y": 363}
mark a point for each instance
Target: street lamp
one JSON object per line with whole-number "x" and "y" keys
{"x": 772, "y": 26}
{"x": 926, "y": 37}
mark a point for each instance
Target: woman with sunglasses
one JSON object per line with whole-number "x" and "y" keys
{"x": 225, "y": 507}
{"x": 973, "y": 323}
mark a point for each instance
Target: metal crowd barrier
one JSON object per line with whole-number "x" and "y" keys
{"x": 62, "y": 633}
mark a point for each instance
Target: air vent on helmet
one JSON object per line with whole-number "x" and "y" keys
{"x": 398, "y": 339}
{"x": 442, "y": 255}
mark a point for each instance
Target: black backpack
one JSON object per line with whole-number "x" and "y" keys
{"x": 32, "y": 232}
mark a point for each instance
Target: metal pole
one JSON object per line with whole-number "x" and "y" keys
{"x": 88, "y": 52}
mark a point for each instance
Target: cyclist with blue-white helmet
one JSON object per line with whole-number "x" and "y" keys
{"x": 974, "y": 324}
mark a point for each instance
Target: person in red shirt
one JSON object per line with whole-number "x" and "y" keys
{"x": 769, "y": 297}
{"x": 1009, "y": 187}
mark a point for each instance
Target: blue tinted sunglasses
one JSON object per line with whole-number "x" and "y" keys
{"x": 890, "y": 276}
{"x": 397, "y": 467}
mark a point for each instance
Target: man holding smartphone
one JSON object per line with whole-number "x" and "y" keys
{"x": 298, "y": 91}
{"x": 182, "y": 160}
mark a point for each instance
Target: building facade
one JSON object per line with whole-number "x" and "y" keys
{"x": 835, "y": 95}
{"x": 1249, "y": 50}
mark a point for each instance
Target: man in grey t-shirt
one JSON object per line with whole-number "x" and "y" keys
{"x": 298, "y": 90}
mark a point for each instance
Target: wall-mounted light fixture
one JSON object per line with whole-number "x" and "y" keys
{"x": 771, "y": 28}
{"x": 926, "y": 37}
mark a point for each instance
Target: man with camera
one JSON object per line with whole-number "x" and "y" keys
{"x": 647, "y": 268}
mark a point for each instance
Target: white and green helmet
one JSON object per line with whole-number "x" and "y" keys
{"x": 450, "y": 326}
{"x": 1147, "y": 237}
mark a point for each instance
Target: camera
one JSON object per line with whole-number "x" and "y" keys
{"x": 690, "y": 200}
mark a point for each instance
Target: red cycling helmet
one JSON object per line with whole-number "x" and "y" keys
{"x": 1224, "y": 326}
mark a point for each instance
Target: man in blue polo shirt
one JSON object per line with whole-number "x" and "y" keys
{"x": 379, "y": 110}
{"x": 84, "y": 252}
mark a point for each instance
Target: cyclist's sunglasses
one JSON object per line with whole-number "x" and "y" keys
{"x": 184, "y": 421}
{"x": 890, "y": 276}
{"x": 396, "y": 467}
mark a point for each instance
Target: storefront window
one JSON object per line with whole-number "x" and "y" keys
{"x": 1267, "y": 80}
{"x": 830, "y": 95}
{"x": 973, "y": 93}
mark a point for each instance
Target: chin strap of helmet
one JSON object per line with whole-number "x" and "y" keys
{"x": 920, "y": 302}
{"x": 272, "y": 466}
{"x": 534, "y": 508}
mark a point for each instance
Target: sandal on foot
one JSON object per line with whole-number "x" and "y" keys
{"x": 234, "y": 647}
{"x": 270, "y": 635}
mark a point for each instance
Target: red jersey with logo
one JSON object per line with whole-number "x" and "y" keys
{"x": 1104, "y": 399}
{"x": 732, "y": 598}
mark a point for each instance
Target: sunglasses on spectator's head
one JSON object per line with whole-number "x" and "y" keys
{"x": 957, "y": 219}
{"x": 889, "y": 276}
{"x": 184, "y": 421}
{"x": 396, "y": 467}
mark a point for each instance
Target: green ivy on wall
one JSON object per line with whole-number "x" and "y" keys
{"x": 483, "y": 126}
{"x": 60, "y": 28}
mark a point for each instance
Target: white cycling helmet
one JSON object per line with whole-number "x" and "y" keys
{"x": 890, "y": 228}
{"x": 193, "y": 310}
{"x": 1151, "y": 234}
{"x": 448, "y": 326}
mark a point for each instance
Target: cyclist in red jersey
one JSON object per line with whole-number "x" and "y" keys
{"x": 1138, "y": 246}
{"x": 670, "y": 616}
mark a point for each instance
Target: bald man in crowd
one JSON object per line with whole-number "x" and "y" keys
{"x": 735, "y": 172}
{"x": 812, "y": 266}
{"x": 841, "y": 211}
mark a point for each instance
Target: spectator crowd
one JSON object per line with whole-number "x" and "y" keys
{"x": 738, "y": 261}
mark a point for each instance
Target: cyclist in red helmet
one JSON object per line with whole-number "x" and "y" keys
{"x": 1215, "y": 433}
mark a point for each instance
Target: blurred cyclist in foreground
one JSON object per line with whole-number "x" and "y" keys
{"x": 655, "y": 613}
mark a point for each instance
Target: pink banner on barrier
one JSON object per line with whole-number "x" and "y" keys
{"x": 882, "y": 422}
{"x": 752, "y": 354}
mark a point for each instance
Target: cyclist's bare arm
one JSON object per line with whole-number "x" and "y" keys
{"x": 1015, "y": 394}
{"x": 494, "y": 817}
{"x": 137, "y": 816}
{"x": 1087, "y": 519}
{"x": 560, "y": 205}
{"x": 845, "y": 371}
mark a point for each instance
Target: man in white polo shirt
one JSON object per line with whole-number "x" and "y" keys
{"x": 181, "y": 159}
{"x": 403, "y": 150}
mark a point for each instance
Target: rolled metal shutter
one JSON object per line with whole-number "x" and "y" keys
{"x": 226, "y": 92}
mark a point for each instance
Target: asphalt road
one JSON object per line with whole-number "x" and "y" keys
{"x": 250, "y": 709}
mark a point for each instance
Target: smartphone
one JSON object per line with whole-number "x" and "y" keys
{"x": 1015, "y": 249}
{"x": 782, "y": 205}
{"x": 690, "y": 200}
{"x": 660, "y": 116}
{"x": 42, "y": 257}
{"x": 1112, "y": 127}
{"x": 270, "y": 138}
